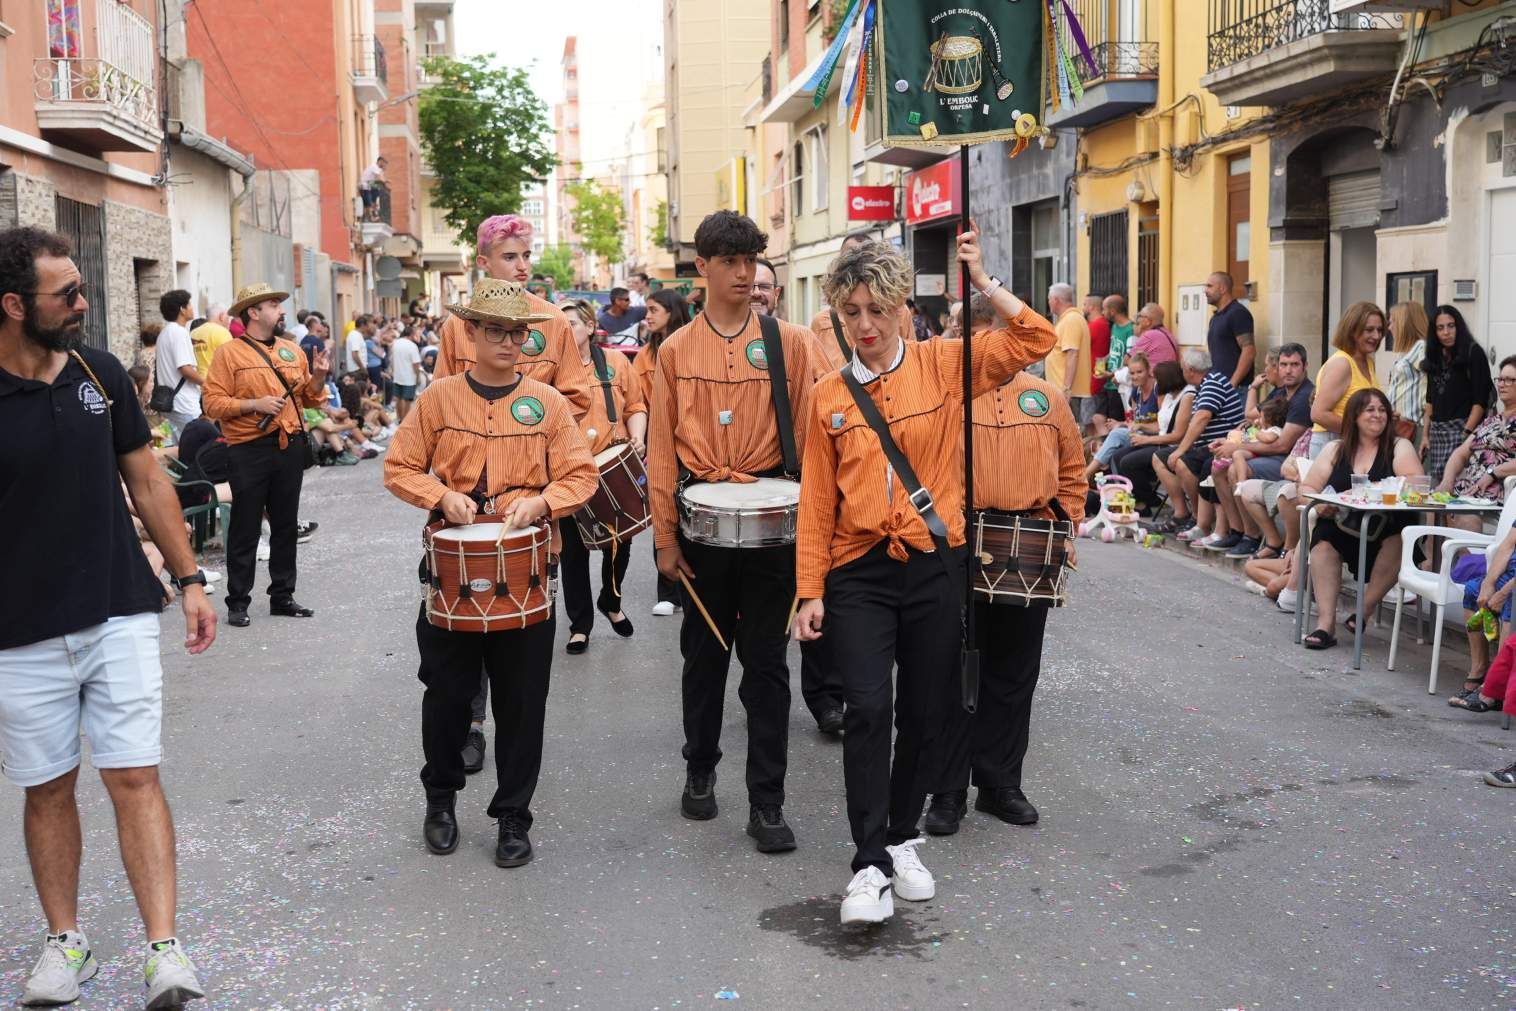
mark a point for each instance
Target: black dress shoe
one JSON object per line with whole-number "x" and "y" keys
{"x": 441, "y": 825}
{"x": 577, "y": 646}
{"x": 946, "y": 811}
{"x": 623, "y": 627}
{"x": 766, "y": 825}
{"x": 473, "y": 751}
{"x": 514, "y": 848}
{"x": 699, "y": 800}
{"x": 830, "y": 721}
{"x": 1008, "y": 804}
{"x": 289, "y": 609}
{"x": 238, "y": 619}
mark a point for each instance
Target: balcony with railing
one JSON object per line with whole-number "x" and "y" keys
{"x": 370, "y": 74}
{"x": 1122, "y": 35}
{"x": 1273, "y": 52}
{"x": 377, "y": 222}
{"x": 95, "y": 91}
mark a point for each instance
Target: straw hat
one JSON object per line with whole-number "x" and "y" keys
{"x": 503, "y": 302}
{"x": 253, "y": 294}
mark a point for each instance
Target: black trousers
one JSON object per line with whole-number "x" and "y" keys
{"x": 670, "y": 590}
{"x": 882, "y": 615}
{"x": 748, "y": 593}
{"x": 993, "y": 742}
{"x": 574, "y": 563}
{"x": 263, "y": 478}
{"x": 518, "y": 663}
{"x": 1136, "y": 465}
{"x": 820, "y": 680}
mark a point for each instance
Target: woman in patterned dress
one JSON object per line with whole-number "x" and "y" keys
{"x": 1478, "y": 468}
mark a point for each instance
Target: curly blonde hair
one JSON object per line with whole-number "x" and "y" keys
{"x": 875, "y": 265}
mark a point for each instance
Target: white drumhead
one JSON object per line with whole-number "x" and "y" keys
{"x": 482, "y": 532}
{"x": 605, "y": 456}
{"x": 764, "y": 492}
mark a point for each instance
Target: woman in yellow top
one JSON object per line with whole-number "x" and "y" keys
{"x": 1350, "y": 369}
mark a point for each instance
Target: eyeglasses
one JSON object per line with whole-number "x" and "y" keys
{"x": 764, "y": 287}
{"x": 70, "y": 295}
{"x": 498, "y": 334}
{"x": 1505, "y": 380}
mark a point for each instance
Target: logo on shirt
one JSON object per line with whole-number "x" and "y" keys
{"x": 91, "y": 398}
{"x": 1033, "y": 403}
{"x": 527, "y": 410}
{"x": 535, "y": 344}
{"x": 287, "y": 354}
{"x": 757, "y": 355}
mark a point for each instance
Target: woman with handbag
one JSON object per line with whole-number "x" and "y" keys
{"x": 257, "y": 388}
{"x": 1368, "y": 446}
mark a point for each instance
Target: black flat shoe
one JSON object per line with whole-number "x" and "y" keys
{"x": 623, "y": 627}
{"x": 473, "y": 751}
{"x": 440, "y": 829}
{"x": 945, "y": 812}
{"x": 238, "y": 619}
{"x": 577, "y": 645}
{"x": 1007, "y": 804}
{"x": 289, "y": 609}
{"x": 830, "y": 722}
{"x": 514, "y": 848}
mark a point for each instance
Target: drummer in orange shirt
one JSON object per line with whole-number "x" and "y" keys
{"x": 490, "y": 440}
{"x": 879, "y": 570}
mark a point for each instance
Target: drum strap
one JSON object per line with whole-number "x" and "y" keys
{"x": 847, "y": 352}
{"x": 602, "y": 373}
{"x": 779, "y": 384}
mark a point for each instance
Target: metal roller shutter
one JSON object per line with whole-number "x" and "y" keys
{"x": 1353, "y": 200}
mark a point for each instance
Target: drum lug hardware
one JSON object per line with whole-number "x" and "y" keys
{"x": 501, "y": 590}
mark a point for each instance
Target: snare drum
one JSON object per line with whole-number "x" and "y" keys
{"x": 1022, "y": 560}
{"x": 730, "y": 515}
{"x": 618, "y": 509}
{"x": 960, "y": 59}
{"x": 487, "y": 577}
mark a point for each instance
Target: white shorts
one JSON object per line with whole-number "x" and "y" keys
{"x": 106, "y": 677}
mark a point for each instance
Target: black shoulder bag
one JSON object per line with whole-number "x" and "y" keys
{"x": 926, "y": 508}
{"x": 779, "y": 384}
{"x": 847, "y": 352}
{"x": 162, "y": 400}
{"x": 602, "y": 373}
{"x": 311, "y": 455}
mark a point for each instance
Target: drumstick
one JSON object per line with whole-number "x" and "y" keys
{"x": 710, "y": 623}
{"x": 264, "y": 421}
{"x": 794, "y": 603}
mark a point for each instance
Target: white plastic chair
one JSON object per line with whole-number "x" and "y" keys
{"x": 1437, "y": 587}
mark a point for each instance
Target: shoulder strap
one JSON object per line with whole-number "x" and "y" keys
{"x": 847, "y": 352}
{"x": 288, "y": 392}
{"x": 779, "y": 385}
{"x": 921, "y": 498}
{"x": 597, "y": 356}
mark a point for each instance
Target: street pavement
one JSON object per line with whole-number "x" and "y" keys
{"x": 1227, "y": 822}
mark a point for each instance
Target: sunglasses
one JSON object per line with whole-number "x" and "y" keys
{"x": 70, "y": 295}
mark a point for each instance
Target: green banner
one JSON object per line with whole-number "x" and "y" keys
{"x": 960, "y": 73}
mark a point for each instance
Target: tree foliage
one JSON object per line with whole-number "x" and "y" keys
{"x": 556, "y": 262}
{"x": 658, "y": 235}
{"x": 485, "y": 134}
{"x": 598, "y": 219}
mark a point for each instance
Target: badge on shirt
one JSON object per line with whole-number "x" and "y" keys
{"x": 527, "y": 410}
{"x": 725, "y": 417}
{"x": 287, "y": 354}
{"x": 535, "y": 344}
{"x": 91, "y": 399}
{"x": 836, "y": 421}
{"x": 757, "y": 355}
{"x": 1033, "y": 403}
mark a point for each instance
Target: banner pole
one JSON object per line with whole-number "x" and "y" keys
{"x": 971, "y": 561}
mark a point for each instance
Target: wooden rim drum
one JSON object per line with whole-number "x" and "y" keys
{"x": 960, "y": 64}
{"x": 726, "y": 514}
{"x": 1022, "y": 560}
{"x": 618, "y": 510}
{"x": 487, "y": 577}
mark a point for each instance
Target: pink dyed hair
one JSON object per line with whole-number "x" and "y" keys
{"x": 502, "y": 226}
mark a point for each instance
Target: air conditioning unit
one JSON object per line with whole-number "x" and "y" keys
{"x": 1385, "y": 6}
{"x": 1465, "y": 291}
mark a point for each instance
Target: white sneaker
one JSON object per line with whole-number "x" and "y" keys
{"x": 263, "y": 551}
{"x": 664, "y": 608}
{"x": 1286, "y": 601}
{"x": 868, "y": 898}
{"x": 913, "y": 882}
{"x": 170, "y": 977}
{"x": 65, "y": 963}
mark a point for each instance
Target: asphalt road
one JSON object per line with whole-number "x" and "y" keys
{"x": 1227, "y": 822}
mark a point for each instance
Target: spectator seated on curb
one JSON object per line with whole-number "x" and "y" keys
{"x": 1176, "y": 399}
{"x": 1487, "y": 586}
{"x": 1217, "y": 410}
{"x": 1368, "y": 446}
{"x": 1481, "y": 463}
{"x": 1270, "y": 505}
{"x": 1276, "y": 575}
{"x": 1141, "y": 416}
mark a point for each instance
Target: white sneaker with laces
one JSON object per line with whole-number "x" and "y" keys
{"x": 1286, "y": 601}
{"x": 868, "y": 898}
{"x": 913, "y": 882}
{"x": 170, "y": 977}
{"x": 663, "y": 608}
{"x": 66, "y": 962}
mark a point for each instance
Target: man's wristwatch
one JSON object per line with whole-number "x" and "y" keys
{"x": 196, "y": 577}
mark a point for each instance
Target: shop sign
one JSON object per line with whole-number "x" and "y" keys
{"x": 871, "y": 203}
{"x": 932, "y": 193}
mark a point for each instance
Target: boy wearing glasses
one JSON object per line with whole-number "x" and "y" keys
{"x": 489, "y": 441}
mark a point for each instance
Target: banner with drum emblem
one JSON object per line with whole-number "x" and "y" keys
{"x": 961, "y": 73}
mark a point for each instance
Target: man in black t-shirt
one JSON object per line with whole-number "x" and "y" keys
{"x": 1229, "y": 337}
{"x": 79, "y": 634}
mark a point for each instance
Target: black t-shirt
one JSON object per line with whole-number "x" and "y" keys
{"x": 197, "y": 435}
{"x": 72, "y": 557}
{"x": 1221, "y": 339}
{"x": 1455, "y": 387}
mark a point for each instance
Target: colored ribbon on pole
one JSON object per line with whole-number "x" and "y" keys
{"x": 821, "y": 80}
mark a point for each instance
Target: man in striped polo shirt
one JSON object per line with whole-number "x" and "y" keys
{"x": 1217, "y": 410}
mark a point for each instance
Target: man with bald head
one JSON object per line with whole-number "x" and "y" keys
{"x": 1153, "y": 338}
{"x": 1068, "y": 365}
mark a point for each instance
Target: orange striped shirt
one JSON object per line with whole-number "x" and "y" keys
{"x": 702, "y": 378}
{"x": 826, "y": 339}
{"x": 238, "y": 373}
{"x": 850, "y": 499}
{"x": 550, "y": 355}
{"x": 526, "y": 443}
{"x": 1027, "y": 450}
{"x": 626, "y": 393}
